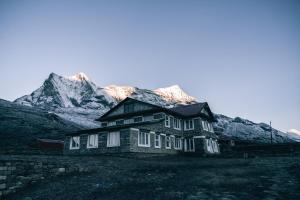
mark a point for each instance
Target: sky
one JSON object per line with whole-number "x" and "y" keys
{"x": 242, "y": 57}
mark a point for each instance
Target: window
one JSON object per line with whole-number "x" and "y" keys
{"x": 113, "y": 139}
{"x": 120, "y": 122}
{"x": 112, "y": 123}
{"x": 177, "y": 123}
{"x": 178, "y": 143}
{"x": 143, "y": 139}
{"x": 210, "y": 127}
{"x": 157, "y": 141}
{"x": 168, "y": 142}
{"x": 92, "y": 141}
{"x": 148, "y": 118}
{"x": 128, "y": 121}
{"x": 208, "y": 145}
{"x": 138, "y": 119}
{"x": 129, "y": 107}
{"x": 189, "y": 144}
{"x": 103, "y": 124}
{"x": 74, "y": 142}
{"x": 167, "y": 121}
{"x": 157, "y": 116}
{"x": 205, "y": 125}
{"x": 189, "y": 124}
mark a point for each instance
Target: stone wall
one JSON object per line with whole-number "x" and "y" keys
{"x": 16, "y": 172}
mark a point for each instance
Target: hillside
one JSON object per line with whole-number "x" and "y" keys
{"x": 19, "y": 125}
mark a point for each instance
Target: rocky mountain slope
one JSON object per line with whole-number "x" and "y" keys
{"x": 19, "y": 125}
{"x": 79, "y": 100}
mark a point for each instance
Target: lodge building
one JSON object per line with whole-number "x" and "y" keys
{"x": 134, "y": 126}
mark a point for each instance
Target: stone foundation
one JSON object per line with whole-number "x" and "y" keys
{"x": 16, "y": 172}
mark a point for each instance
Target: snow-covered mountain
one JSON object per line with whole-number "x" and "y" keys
{"x": 243, "y": 129}
{"x": 295, "y": 134}
{"x": 78, "y": 99}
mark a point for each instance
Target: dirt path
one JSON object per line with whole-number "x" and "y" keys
{"x": 175, "y": 178}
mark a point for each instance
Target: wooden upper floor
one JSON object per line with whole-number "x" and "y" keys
{"x": 186, "y": 118}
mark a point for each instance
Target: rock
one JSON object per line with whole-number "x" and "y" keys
{"x": 62, "y": 170}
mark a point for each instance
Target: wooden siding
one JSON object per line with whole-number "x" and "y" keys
{"x": 138, "y": 106}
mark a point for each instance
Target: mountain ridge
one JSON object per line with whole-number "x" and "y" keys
{"x": 79, "y": 100}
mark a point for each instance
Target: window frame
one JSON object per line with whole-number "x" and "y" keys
{"x": 168, "y": 138}
{"x": 120, "y": 120}
{"x": 111, "y": 123}
{"x": 157, "y": 139}
{"x": 186, "y": 122}
{"x": 142, "y": 117}
{"x": 108, "y": 140}
{"x": 147, "y": 135}
{"x": 71, "y": 142}
{"x": 205, "y": 125}
{"x": 176, "y": 139}
{"x": 167, "y": 121}
{"x": 88, "y": 146}
{"x": 178, "y": 127}
{"x": 187, "y": 143}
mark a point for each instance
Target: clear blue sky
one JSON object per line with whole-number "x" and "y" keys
{"x": 243, "y": 57}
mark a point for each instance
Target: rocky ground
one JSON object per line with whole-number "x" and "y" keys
{"x": 173, "y": 177}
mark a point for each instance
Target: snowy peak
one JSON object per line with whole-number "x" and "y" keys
{"x": 119, "y": 92}
{"x": 295, "y": 134}
{"x": 294, "y": 131}
{"x": 76, "y": 98}
{"x": 79, "y": 77}
{"x": 174, "y": 93}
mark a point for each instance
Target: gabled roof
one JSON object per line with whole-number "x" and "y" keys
{"x": 192, "y": 110}
{"x": 183, "y": 111}
{"x": 122, "y": 102}
{"x": 188, "y": 110}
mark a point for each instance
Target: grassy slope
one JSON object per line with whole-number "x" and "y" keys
{"x": 20, "y": 124}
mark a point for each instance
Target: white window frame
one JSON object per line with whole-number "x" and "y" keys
{"x": 157, "y": 140}
{"x": 95, "y": 143}
{"x": 109, "y": 142}
{"x": 128, "y": 121}
{"x": 145, "y": 138}
{"x": 167, "y": 121}
{"x": 210, "y": 127}
{"x": 187, "y": 122}
{"x": 120, "y": 120}
{"x": 180, "y": 143}
{"x": 205, "y": 125}
{"x": 190, "y": 141}
{"x": 111, "y": 123}
{"x": 71, "y": 142}
{"x": 178, "y": 127}
{"x": 168, "y": 138}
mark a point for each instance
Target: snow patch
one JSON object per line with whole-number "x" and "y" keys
{"x": 79, "y": 77}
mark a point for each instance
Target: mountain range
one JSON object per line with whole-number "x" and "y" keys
{"x": 78, "y": 100}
